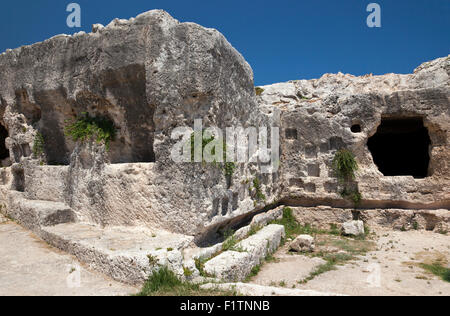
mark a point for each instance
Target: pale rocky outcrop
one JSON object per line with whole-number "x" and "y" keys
{"x": 317, "y": 117}
{"x": 151, "y": 74}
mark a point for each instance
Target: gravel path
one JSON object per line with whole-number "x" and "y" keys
{"x": 392, "y": 269}
{"x": 30, "y": 267}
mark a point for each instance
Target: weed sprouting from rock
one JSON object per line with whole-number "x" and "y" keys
{"x": 257, "y": 190}
{"x": 227, "y": 167}
{"x": 86, "y": 127}
{"x": 345, "y": 167}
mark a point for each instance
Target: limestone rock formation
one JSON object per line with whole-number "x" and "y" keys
{"x": 148, "y": 75}
{"x": 365, "y": 114}
{"x": 151, "y": 74}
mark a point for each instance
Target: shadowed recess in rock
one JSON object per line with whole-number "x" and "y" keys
{"x": 4, "y": 152}
{"x": 401, "y": 147}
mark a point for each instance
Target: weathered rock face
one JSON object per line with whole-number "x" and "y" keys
{"x": 339, "y": 111}
{"x": 151, "y": 74}
{"x": 148, "y": 75}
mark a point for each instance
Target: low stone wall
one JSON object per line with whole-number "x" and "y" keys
{"x": 323, "y": 217}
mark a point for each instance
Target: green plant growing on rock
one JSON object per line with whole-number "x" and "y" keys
{"x": 229, "y": 243}
{"x": 153, "y": 261}
{"x": 86, "y": 127}
{"x": 256, "y": 186}
{"x": 227, "y": 167}
{"x": 345, "y": 167}
{"x": 164, "y": 282}
{"x": 259, "y": 91}
{"x": 187, "y": 272}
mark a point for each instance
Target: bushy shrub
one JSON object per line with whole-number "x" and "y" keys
{"x": 86, "y": 127}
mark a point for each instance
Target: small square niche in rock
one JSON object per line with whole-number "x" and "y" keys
{"x": 303, "y": 243}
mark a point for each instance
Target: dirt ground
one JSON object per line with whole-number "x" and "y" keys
{"x": 387, "y": 263}
{"x": 29, "y": 267}
{"x": 391, "y": 267}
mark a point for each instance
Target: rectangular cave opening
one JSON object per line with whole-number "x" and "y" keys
{"x": 401, "y": 147}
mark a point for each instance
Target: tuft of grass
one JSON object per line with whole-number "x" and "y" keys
{"x": 254, "y": 272}
{"x": 332, "y": 260}
{"x": 229, "y": 168}
{"x": 152, "y": 260}
{"x": 163, "y": 279}
{"x": 230, "y": 243}
{"x": 351, "y": 248}
{"x": 437, "y": 269}
{"x": 86, "y": 127}
{"x": 200, "y": 265}
{"x": 293, "y": 228}
{"x": 165, "y": 283}
{"x": 187, "y": 272}
{"x": 329, "y": 266}
{"x": 334, "y": 230}
{"x": 259, "y": 91}
{"x": 254, "y": 229}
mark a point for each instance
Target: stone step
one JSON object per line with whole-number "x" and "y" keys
{"x": 36, "y": 213}
{"x": 235, "y": 265}
{"x": 127, "y": 254}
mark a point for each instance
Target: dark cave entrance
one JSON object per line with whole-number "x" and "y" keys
{"x": 4, "y": 152}
{"x": 401, "y": 147}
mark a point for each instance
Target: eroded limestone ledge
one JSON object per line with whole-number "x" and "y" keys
{"x": 398, "y": 219}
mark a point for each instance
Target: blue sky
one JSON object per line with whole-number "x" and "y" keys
{"x": 282, "y": 40}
